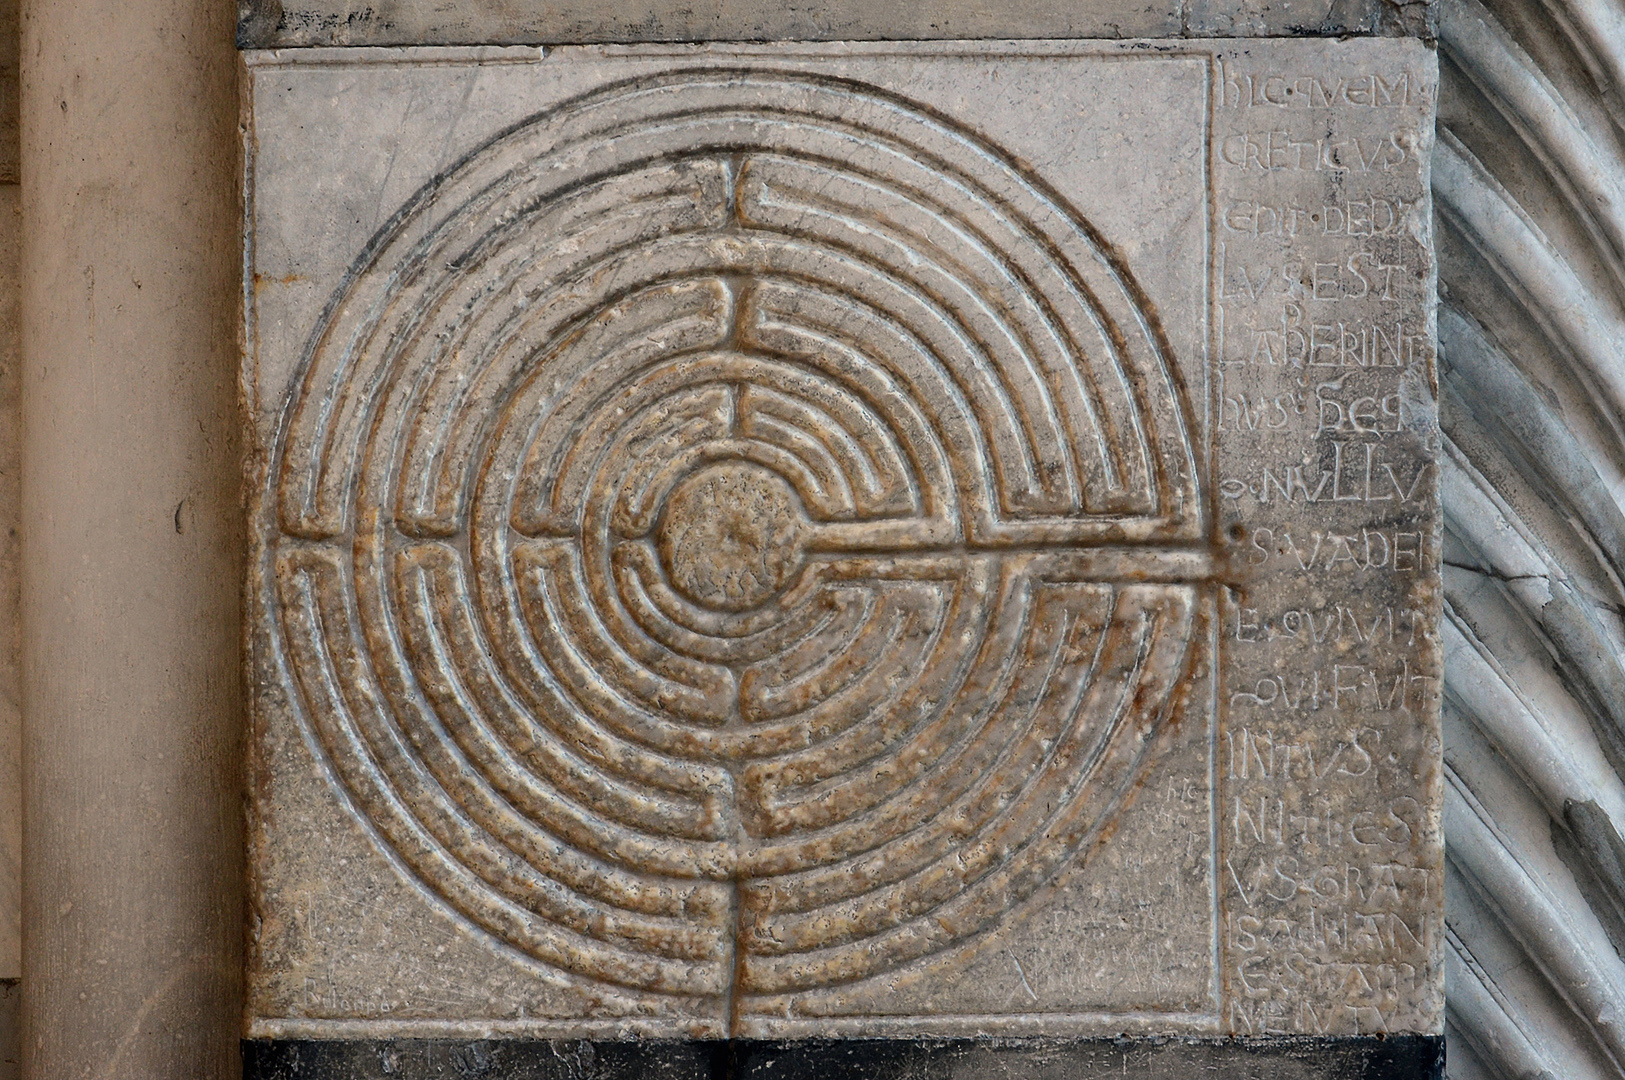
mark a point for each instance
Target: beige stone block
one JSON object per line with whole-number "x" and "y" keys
{"x": 11, "y": 788}
{"x": 780, "y": 541}
{"x": 131, "y": 564}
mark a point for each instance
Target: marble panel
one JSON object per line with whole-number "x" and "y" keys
{"x": 848, "y": 540}
{"x": 265, "y": 24}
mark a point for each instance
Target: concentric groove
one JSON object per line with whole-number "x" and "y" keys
{"x": 739, "y": 536}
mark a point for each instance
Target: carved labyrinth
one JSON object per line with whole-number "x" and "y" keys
{"x": 736, "y": 534}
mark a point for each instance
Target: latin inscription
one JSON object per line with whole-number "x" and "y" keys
{"x": 1322, "y": 362}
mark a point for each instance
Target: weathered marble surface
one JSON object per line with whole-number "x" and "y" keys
{"x": 1529, "y": 183}
{"x": 265, "y": 24}
{"x": 786, "y": 541}
{"x": 1326, "y": 439}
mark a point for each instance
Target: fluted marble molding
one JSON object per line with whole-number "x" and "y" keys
{"x": 1529, "y": 188}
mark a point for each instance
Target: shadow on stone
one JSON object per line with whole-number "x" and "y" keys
{"x": 1398, "y": 1058}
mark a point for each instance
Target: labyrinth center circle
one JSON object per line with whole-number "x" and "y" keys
{"x": 730, "y": 535}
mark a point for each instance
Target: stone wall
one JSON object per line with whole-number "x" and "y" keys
{"x": 133, "y": 737}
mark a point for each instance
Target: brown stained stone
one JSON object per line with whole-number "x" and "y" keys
{"x": 787, "y": 541}
{"x": 730, "y": 535}
{"x": 11, "y": 793}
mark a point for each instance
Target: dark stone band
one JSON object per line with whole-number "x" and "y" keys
{"x": 1404, "y": 1057}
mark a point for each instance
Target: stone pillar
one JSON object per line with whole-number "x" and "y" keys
{"x": 133, "y": 911}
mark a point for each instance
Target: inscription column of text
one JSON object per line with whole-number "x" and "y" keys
{"x": 1326, "y": 429}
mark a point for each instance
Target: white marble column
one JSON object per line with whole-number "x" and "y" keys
{"x": 132, "y": 917}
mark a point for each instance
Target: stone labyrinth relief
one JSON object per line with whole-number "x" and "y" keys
{"x": 734, "y": 538}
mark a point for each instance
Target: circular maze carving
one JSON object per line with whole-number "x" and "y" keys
{"x": 735, "y": 534}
